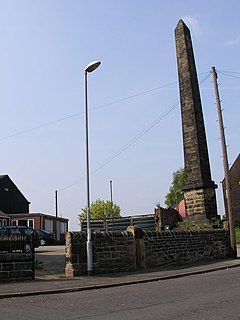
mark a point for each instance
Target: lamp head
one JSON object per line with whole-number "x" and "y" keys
{"x": 92, "y": 66}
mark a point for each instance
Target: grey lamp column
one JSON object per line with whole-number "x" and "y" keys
{"x": 89, "y": 68}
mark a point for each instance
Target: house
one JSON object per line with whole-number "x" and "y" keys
{"x": 234, "y": 176}
{"x": 14, "y": 210}
{"x": 4, "y": 219}
{"x": 11, "y": 198}
{"x": 57, "y": 225}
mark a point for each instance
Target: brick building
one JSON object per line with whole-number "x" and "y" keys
{"x": 234, "y": 175}
{"x": 43, "y": 221}
{"x": 4, "y": 219}
{"x": 14, "y": 210}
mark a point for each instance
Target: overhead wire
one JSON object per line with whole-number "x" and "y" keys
{"x": 91, "y": 109}
{"x": 229, "y": 74}
{"x": 126, "y": 146}
{"x": 229, "y": 71}
{"x": 133, "y": 140}
{"x": 142, "y": 133}
{"x": 136, "y": 138}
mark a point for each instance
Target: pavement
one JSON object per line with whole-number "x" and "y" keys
{"x": 49, "y": 281}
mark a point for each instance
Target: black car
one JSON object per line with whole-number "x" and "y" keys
{"x": 32, "y": 237}
{"x": 46, "y": 237}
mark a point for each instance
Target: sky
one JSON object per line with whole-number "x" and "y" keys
{"x": 135, "y": 135}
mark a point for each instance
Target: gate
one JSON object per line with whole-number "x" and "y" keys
{"x": 17, "y": 258}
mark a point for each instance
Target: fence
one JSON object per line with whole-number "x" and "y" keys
{"x": 17, "y": 258}
{"x": 146, "y": 222}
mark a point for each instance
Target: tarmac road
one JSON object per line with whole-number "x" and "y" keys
{"x": 213, "y": 296}
{"x": 53, "y": 259}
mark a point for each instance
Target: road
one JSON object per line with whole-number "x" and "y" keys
{"x": 53, "y": 259}
{"x": 208, "y": 296}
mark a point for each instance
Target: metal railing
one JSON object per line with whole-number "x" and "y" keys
{"x": 17, "y": 248}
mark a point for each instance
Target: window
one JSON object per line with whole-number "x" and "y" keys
{"x": 22, "y": 223}
{"x": 14, "y": 223}
{"x": 63, "y": 227}
{"x": 15, "y": 232}
{"x": 3, "y": 233}
{"x": 31, "y": 223}
{"x": 3, "y": 222}
{"x": 49, "y": 225}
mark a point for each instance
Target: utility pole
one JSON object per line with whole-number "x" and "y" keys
{"x": 111, "y": 197}
{"x": 56, "y": 203}
{"x": 226, "y": 168}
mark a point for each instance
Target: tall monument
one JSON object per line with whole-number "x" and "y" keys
{"x": 199, "y": 190}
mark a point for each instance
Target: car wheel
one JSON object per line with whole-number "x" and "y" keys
{"x": 27, "y": 247}
{"x": 42, "y": 242}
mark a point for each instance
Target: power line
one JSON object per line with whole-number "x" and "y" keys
{"x": 40, "y": 126}
{"x": 132, "y": 141}
{"x": 229, "y": 71}
{"x": 126, "y": 146}
{"x": 229, "y": 75}
{"x": 92, "y": 109}
{"x": 136, "y": 138}
{"x": 80, "y": 113}
{"x": 206, "y": 77}
{"x": 142, "y": 133}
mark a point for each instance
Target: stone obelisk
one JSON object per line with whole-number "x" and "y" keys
{"x": 199, "y": 189}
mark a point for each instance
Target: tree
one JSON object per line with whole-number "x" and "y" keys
{"x": 175, "y": 193}
{"x": 101, "y": 209}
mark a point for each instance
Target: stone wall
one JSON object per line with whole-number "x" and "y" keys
{"x": 112, "y": 252}
{"x": 116, "y": 251}
{"x": 163, "y": 217}
{"x": 185, "y": 247}
{"x": 16, "y": 271}
{"x": 195, "y": 198}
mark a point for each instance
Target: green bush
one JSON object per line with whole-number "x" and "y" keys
{"x": 217, "y": 223}
{"x": 237, "y": 223}
{"x": 237, "y": 235}
{"x": 38, "y": 264}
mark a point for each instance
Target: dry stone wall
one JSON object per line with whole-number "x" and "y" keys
{"x": 185, "y": 247}
{"x": 117, "y": 251}
{"x": 112, "y": 252}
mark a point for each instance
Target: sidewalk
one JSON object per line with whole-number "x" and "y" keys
{"x": 54, "y": 284}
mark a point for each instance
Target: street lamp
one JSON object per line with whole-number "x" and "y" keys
{"x": 89, "y": 68}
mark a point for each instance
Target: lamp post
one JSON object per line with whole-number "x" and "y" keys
{"x": 89, "y": 68}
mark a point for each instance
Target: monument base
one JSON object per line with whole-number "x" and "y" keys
{"x": 201, "y": 202}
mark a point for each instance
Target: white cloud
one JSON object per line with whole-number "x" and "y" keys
{"x": 233, "y": 42}
{"x": 193, "y": 25}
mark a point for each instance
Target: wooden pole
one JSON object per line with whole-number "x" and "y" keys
{"x": 56, "y": 203}
{"x": 226, "y": 168}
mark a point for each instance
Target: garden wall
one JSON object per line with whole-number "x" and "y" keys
{"x": 185, "y": 247}
{"x": 112, "y": 252}
{"x": 12, "y": 270}
{"x": 116, "y": 251}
